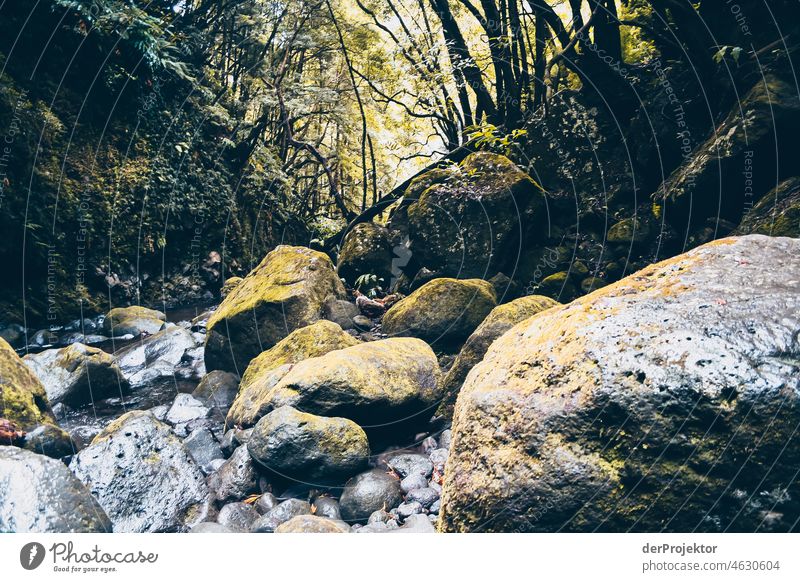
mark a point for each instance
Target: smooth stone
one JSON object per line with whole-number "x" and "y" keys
{"x": 280, "y": 514}
{"x": 426, "y": 497}
{"x": 312, "y": 524}
{"x": 368, "y": 492}
{"x": 327, "y": 507}
{"x": 406, "y": 464}
{"x": 203, "y": 447}
{"x": 414, "y": 481}
{"x": 186, "y": 408}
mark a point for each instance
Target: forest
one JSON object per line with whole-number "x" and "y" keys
{"x": 563, "y": 232}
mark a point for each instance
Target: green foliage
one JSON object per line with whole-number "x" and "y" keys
{"x": 370, "y": 285}
{"x": 487, "y": 137}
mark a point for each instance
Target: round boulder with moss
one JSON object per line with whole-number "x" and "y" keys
{"x": 442, "y": 312}
{"x": 133, "y": 320}
{"x": 316, "y": 449}
{"x": 23, "y": 399}
{"x": 269, "y": 367}
{"x": 366, "y": 250}
{"x": 284, "y": 292}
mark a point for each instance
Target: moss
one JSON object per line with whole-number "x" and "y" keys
{"x": 265, "y": 371}
{"x": 366, "y": 250}
{"x": 443, "y": 310}
{"x": 590, "y": 284}
{"x": 628, "y": 230}
{"x": 776, "y": 214}
{"x": 23, "y": 399}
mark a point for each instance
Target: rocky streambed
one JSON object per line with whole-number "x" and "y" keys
{"x": 666, "y": 401}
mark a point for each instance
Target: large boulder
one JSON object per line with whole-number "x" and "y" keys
{"x": 133, "y": 320}
{"x": 40, "y": 495}
{"x": 308, "y": 448}
{"x": 143, "y": 476}
{"x": 668, "y": 401}
{"x": 77, "y": 374}
{"x": 467, "y": 223}
{"x": 500, "y": 320}
{"x": 441, "y": 312}
{"x": 23, "y": 399}
{"x": 373, "y": 383}
{"x": 366, "y": 250}
{"x": 776, "y": 214}
{"x": 284, "y": 292}
{"x": 736, "y": 165}
{"x": 269, "y": 367}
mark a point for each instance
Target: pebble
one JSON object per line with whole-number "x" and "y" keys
{"x": 439, "y": 458}
{"x": 429, "y": 444}
{"x": 237, "y": 516}
{"x": 426, "y": 497}
{"x": 406, "y": 464}
{"x": 407, "y": 509}
{"x": 413, "y": 482}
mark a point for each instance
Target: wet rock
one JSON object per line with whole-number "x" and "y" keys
{"x": 218, "y": 390}
{"x": 238, "y": 516}
{"x": 327, "y": 507}
{"x": 443, "y": 311}
{"x": 428, "y": 444}
{"x": 312, "y": 524}
{"x": 284, "y": 293}
{"x": 425, "y": 497}
{"x": 629, "y": 230}
{"x": 500, "y": 320}
{"x": 352, "y": 383}
{"x": 558, "y": 286}
{"x": 379, "y": 516}
{"x": 134, "y": 320}
{"x": 40, "y": 495}
{"x": 367, "y": 493}
{"x": 306, "y": 447}
{"x": 143, "y": 476}
{"x": 407, "y": 509}
{"x": 23, "y": 399}
{"x": 413, "y": 481}
{"x": 268, "y": 368}
{"x": 265, "y": 502}
{"x": 445, "y": 438}
{"x": 185, "y": 408}
{"x": 363, "y": 322}
{"x": 155, "y": 356}
{"x": 636, "y": 407}
{"x": 203, "y": 447}
{"x": 77, "y": 374}
{"x": 290, "y": 508}
{"x": 236, "y": 479}
{"x": 366, "y": 250}
{"x": 406, "y": 464}
{"x": 50, "y": 440}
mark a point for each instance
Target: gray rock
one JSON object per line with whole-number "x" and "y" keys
{"x": 406, "y": 464}
{"x": 368, "y": 492}
{"x": 413, "y": 481}
{"x": 280, "y": 514}
{"x": 218, "y": 390}
{"x": 155, "y": 356}
{"x": 203, "y": 447}
{"x": 302, "y": 446}
{"x": 50, "y": 440}
{"x": 40, "y": 495}
{"x": 379, "y": 516}
{"x": 407, "y": 509}
{"x": 312, "y": 524}
{"x": 237, "y": 516}
{"x": 143, "y": 476}
{"x": 439, "y": 459}
{"x": 133, "y": 321}
{"x": 445, "y": 438}
{"x": 428, "y": 445}
{"x": 327, "y": 507}
{"x": 266, "y": 502}
{"x": 426, "y": 497}
{"x": 435, "y": 506}
{"x": 236, "y": 478}
{"x": 340, "y": 311}
{"x": 185, "y": 408}
{"x": 362, "y": 322}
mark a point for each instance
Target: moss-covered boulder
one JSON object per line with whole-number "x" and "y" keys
{"x": 312, "y": 524}
{"x": 366, "y": 250}
{"x": 374, "y": 383}
{"x": 133, "y": 320}
{"x": 500, "y": 320}
{"x": 776, "y": 214}
{"x": 23, "y": 399}
{"x": 229, "y": 285}
{"x": 269, "y": 367}
{"x": 643, "y": 406}
{"x": 283, "y": 293}
{"x": 467, "y": 222}
{"x": 628, "y": 231}
{"x": 77, "y": 374}
{"x": 442, "y": 312}
{"x": 736, "y": 165}
{"x": 308, "y": 448}
{"x": 558, "y": 286}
